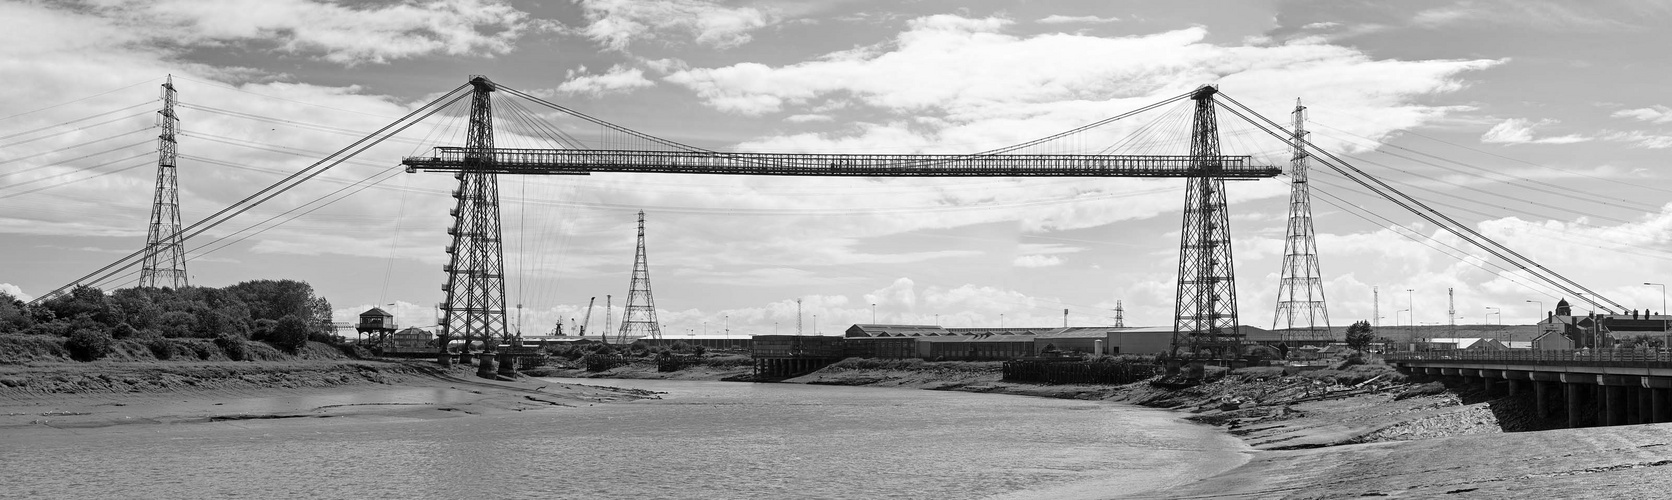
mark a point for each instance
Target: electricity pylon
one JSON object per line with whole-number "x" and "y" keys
{"x": 165, "y": 254}
{"x": 641, "y": 307}
{"x": 1300, "y": 290}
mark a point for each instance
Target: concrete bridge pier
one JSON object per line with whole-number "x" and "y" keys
{"x": 1645, "y": 407}
{"x": 1541, "y": 399}
{"x": 1579, "y": 389}
{"x": 1572, "y": 398}
{"x": 1616, "y": 404}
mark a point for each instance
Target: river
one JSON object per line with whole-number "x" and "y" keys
{"x": 700, "y": 440}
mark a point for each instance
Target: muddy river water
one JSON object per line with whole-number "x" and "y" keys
{"x": 700, "y": 440}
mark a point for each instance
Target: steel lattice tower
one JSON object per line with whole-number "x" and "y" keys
{"x": 1205, "y": 314}
{"x": 641, "y": 307}
{"x": 475, "y": 306}
{"x": 165, "y": 254}
{"x": 1300, "y": 290}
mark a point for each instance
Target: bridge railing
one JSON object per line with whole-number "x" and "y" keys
{"x": 1645, "y": 358}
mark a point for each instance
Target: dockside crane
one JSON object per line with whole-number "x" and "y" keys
{"x": 588, "y": 319}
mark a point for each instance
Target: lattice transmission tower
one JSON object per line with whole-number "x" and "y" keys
{"x": 1205, "y": 313}
{"x": 475, "y": 306}
{"x": 640, "y": 317}
{"x": 1300, "y": 291}
{"x": 165, "y": 253}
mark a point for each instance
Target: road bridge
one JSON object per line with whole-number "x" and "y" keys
{"x": 1600, "y": 386}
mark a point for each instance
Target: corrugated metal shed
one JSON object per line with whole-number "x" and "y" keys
{"x": 877, "y": 330}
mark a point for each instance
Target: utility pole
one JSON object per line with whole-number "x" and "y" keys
{"x": 1376, "y": 306}
{"x": 1410, "y": 305}
{"x": 1451, "y": 312}
{"x": 165, "y": 254}
{"x": 1120, "y": 315}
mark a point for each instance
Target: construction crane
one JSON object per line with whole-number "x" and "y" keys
{"x": 588, "y": 319}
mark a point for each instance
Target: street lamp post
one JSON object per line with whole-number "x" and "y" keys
{"x": 1663, "y": 328}
{"x": 1413, "y": 336}
{"x": 1496, "y": 311}
{"x": 873, "y": 313}
{"x": 1411, "y": 311}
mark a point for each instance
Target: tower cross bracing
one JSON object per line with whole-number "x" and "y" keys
{"x": 1205, "y": 312}
{"x": 475, "y": 290}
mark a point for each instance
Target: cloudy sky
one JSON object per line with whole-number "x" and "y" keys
{"x": 1536, "y": 123}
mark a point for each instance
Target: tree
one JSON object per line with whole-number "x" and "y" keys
{"x": 88, "y": 344}
{"x": 1360, "y": 336}
{"x": 291, "y": 333}
{"x": 1645, "y": 341}
{"x": 14, "y": 314}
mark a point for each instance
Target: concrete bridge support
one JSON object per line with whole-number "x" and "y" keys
{"x": 1645, "y": 407}
{"x": 1572, "y": 396}
{"x": 1577, "y": 390}
{"x": 1616, "y": 404}
{"x": 1660, "y": 398}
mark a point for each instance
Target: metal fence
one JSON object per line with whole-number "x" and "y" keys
{"x": 1642, "y": 358}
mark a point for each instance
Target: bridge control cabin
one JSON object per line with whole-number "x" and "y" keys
{"x": 376, "y": 324}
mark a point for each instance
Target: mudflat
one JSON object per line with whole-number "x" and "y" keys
{"x": 42, "y": 399}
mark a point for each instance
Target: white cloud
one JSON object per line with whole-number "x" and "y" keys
{"x": 1061, "y": 19}
{"x": 1525, "y": 14}
{"x": 619, "y": 79}
{"x": 1520, "y": 131}
{"x": 1641, "y": 139}
{"x": 617, "y": 24}
{"x": 1652, "y": 114}
{"x": 957, "y": 84}
{"x": 15, "y": 292}
{"x": 808, "y": 118}
{"x": 329, "y": 30}
{"x": 1036, "y": 261}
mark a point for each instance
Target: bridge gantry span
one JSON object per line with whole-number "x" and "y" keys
{"x": 1205, "y": 313}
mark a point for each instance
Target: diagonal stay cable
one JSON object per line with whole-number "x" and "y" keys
{"x": 1412, "y": 204}
{"x": 275, "y": 189}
